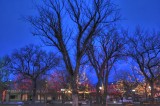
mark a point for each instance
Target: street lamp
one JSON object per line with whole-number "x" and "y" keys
{"x": 149, "y": 87}
{"x": 69, "y": 91}
{"x": 100, "y": 88}
{"x": 63, "y": 94}
{"x": 45, "y": 92}
{"x": 133, "y": 96}
{"x": 62, "y": 90}
{"x": 133, "y": 90}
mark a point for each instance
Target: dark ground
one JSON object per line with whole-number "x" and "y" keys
{"x": 80, "y": 105}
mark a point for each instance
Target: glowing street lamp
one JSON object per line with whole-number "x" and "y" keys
{"x": 149, "y": 87}
{"x": 63, "y": 94}
{"x": 133, "y": 90}
{"x": 62, "y": 90}
{"x": 100, "y": 88}
{"x": 46, "y": 86}
{"x": 69, "y": 91}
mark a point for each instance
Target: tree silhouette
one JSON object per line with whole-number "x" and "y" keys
{"x": 32, "y": 63}
{"x": 70, "y": 26}
{"x": 4, "y": 75}
{"x": 103, "y": 54}
{"x": 144, "y": 49}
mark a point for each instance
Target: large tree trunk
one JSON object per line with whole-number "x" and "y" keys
{"x": 152, "y": 91}
{"x": 75, "y": 99}
{"x": 146, "y": 94}
{"x": 105, "y": 90}
{"x": 105, "y": 98}
{"x": 98, "y": 92}
{"x": 74, "y": 92}
{"x": 34, "y": 91}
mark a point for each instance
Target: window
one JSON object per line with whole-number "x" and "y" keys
{"x": 13, "y": 96}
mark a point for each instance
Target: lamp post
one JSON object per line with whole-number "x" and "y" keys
{"x": 100, "y": 88}
{"x": 63, "y": 94}
{"x": 149, "y": 87}
{"x": 133, "y": 96}
{"x": 45, "y": 93}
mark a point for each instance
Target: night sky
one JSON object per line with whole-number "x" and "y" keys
{"x": 15, "y": 33}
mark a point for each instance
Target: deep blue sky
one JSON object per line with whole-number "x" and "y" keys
{"x": 15, "y": 33}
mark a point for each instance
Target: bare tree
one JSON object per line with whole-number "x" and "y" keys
{"x": 144, "y": 49}
{"x": 103, "y": 54}
{"x": 129, "y": 80}
{"x": 31, "y": 62}
{"x": 4, "y": 75}
{"x": 22, "y": 83}
{"x": 70, "y": 26}
{"x": 59, "y": 80}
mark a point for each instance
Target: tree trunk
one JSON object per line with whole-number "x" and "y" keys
{"x": 21, "y": 95}
{"x": 152, "y": 91}
{"x": 75, "y": 99}
{"x": 34, "y": 91}
{"x": 146, "y": 92}
{"x": 74, "y": 92}
{"x": 105, "y": 96}
{"x": 105, "y": 90}
{"x": 98, "y": 92}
